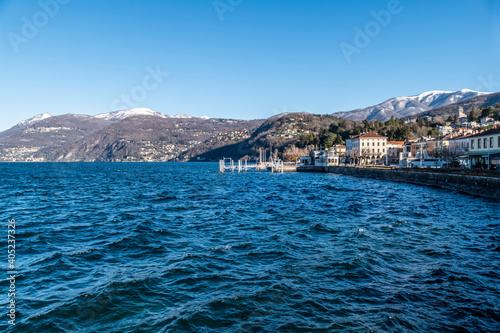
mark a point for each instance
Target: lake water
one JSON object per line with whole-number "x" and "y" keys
{"x": 181, "y": 248}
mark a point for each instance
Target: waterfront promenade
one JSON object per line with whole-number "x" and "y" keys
{"x": 481, "y": 184}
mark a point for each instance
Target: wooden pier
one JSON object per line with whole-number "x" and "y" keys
{"x": 228, "y": 164}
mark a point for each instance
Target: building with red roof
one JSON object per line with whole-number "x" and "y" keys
{"x": 367, "y": 148}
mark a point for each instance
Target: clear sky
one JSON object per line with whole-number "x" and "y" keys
{"x": 239, "y": 58}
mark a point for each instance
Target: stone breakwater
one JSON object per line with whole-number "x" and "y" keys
{"x": 481, "y": 186}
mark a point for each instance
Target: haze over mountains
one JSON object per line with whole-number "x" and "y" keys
{"x": 146, "y": 135}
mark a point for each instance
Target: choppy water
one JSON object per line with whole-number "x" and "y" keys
{"x": 182, "y": 248}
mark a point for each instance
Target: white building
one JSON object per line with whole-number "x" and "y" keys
{"x": 444, "y": 130}
{"x": 484, "y": 121}
{"x": 487, "y": 121}
{"x": 405, "y": 157}
{"x": 336, "y": 155}
{"x": 331, "y": 157}
{"x": 368, "y": 148}
{"x": 470, "y": 124}
{"x": 319, "y": 157}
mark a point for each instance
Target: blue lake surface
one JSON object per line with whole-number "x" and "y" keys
{"x": 171, "y": 247}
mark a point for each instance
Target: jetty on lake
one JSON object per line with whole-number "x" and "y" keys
{"x": 228, "y": 164}
{"x": 264, "y": 163}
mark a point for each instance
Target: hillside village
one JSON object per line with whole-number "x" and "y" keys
{"x": 464, "y": 141}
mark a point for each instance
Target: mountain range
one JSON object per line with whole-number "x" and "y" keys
{"x": 132, "y": 135}
{"x": 147, "y": 135}
{"x": 445, "y": 111}
{"x": 120, "y": 115}
{"x": 401, "y": 107}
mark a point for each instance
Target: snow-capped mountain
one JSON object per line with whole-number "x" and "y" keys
{"x": 35, "y": 119}
{"x": 120, "y": 115}
{"x": 400, "y": 107}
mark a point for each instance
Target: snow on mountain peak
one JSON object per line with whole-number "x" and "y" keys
{"x": 120, "y": 115}
{"x": 400, "y": 107}
{"x": 34, "y": 120}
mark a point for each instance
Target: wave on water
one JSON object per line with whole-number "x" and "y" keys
{"x": 172, "y": 247}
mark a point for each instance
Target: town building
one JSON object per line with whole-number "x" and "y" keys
{"x": 336, "y": 155}
{"x": 305, "y": 161}
{"x": 461, "y": 131}
{"x": 484, "y": 150}
{"x": 457, "y": 150}
{"x": 461, "y": 116}
{"x": 319, "y": 157}
{"x": 444, "y": 130}
{"x": 333, "y": 156}
{"x": 470, "y": 124}
{"x": 394, "y": 149}
{"x": 487, "y": 121}
{"x": 426, "y": 152}
{"x": 367, "y": 148}
{"x": 405, "y": 156}
{"x": 484, "y": 121}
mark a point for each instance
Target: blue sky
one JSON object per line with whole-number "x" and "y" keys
{"x": 238, "y": 58}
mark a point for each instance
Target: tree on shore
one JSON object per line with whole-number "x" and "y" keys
{"x": 472, "y": 115}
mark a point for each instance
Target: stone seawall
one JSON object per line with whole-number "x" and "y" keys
{"x": 486, "y": 187}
